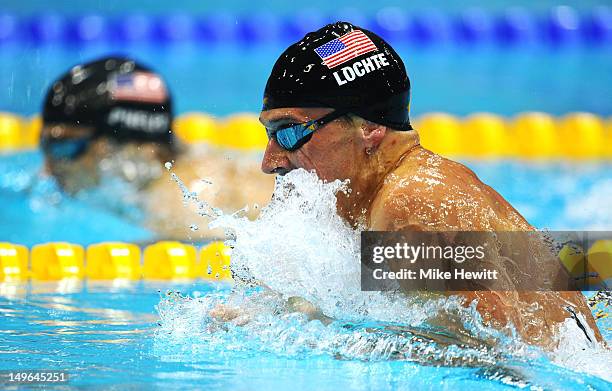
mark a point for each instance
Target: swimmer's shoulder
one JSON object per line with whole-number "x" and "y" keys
{"x": 435, "y": 193}
{"x": 410, "y": 192}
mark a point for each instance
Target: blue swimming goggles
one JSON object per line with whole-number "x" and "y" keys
{"x": 294, "y": 136}
{"x": 66, "y": 148}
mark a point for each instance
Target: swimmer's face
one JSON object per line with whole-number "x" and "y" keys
{"x": 78, "y": 160}
{"x": 333, "y": 151}
{"x": 71, "y": 172}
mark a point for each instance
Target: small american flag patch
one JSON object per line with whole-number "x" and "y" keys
{"x": 345, "y": 48}
{"x": 138, "y": 87}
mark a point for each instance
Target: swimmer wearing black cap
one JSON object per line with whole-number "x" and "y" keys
{"x": 337, "y": 102}
{"x": 111, "y": 118}
{"x": 100, "y": 108}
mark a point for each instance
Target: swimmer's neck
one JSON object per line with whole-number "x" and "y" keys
{"x": 394, "y": 148}
{"x": 390, "y": 154}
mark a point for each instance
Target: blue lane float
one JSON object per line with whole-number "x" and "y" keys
{"x": 559, "y": 26}
{"x": 175, "y": 28}
{"x": 562, "y": 25}
{"x": 132, "y": 28}
{"x": 87, "y": 29}
{"x": 45, "y": 29}
{"x": 515, "y": 26}
{"x": 8, "y": 28}
{"x": 430, "y": 27}
{"x": 597, "y": 25}
{"x": 260, "y": 28}
{"x": 303, "y": 22}
{"x": 218, "y": 28}
{"x": 391, "y": 24}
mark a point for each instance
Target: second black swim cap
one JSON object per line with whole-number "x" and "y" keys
{"x": 344, "y": 67}
{"x": 116, "y": 96}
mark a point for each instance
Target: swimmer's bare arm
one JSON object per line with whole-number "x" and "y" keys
{"x": 415, "y": 205}
{"x": 241, "y": 315}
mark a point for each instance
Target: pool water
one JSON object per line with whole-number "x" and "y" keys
{"x": 146, "y": 335}
{"x": 229, "y": 79}
{"x": 107, "y": 336}
{"x": 569, "y": 196}
{"x": 159, "y": 335}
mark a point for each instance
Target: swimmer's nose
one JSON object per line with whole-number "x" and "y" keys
{"x": 275, "y": 160}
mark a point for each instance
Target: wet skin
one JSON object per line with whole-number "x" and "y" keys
{"x": 76, "y": 174}
{"x": 397, "y": 184}
{"x": 83, "y": 171}
{"x": 234, "y": 180}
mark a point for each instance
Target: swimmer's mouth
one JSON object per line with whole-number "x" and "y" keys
{"x": 281, "y": 171}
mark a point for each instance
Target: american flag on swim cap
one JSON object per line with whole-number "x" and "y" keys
{"x": 138, "y": 87}
{"x": 345, "y": 48}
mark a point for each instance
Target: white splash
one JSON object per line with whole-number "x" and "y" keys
{"x": 576, "y": 352}
{"x": 300, "y": 246}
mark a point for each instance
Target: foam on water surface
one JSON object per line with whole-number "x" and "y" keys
{"x": 300, "y": 247}
{"x": 575, "y": 352}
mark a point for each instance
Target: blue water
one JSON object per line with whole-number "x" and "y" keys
{"x": 229, "y": 76}
{"x": 108, "y": 336}
{"x": 35, "y": 211}
{"x": 226, "y": 79}
{"x": 554, "y": 195}
{"x": 117, "y": 6}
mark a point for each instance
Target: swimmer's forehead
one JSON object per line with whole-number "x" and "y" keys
{"x": 278, "y": 117}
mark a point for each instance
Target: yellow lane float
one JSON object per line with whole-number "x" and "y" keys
{"x": 599, "y": 262}
{"x": 10, "y": 132}
{"x": 484, "y": 135}
{"x": 573, "y": 258}
{"x": 439, "y": 132}
{"x": 196, "y": 128}
{"x": 530, "y": 135}
{"x": 608, "y": 138}
{"x": 215, "y": 262}
{"x": 107, "y": 261}
{"x": 115, "y": 260}
{"x": 534, "y": 135}
{"x": 243, "y": 131}
{"x": 169, "y": 260}
{"x": 13, "y": 262}
{"x": 581, "y": 135}
{"x": 31, "y": 132}
{"x": 55, "y": 261}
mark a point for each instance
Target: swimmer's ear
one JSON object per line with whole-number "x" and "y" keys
{"x": 373, "y": 135}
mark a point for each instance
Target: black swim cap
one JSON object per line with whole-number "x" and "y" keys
{"x": 344, "y": 67}
{"x": 116, "y": 96}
